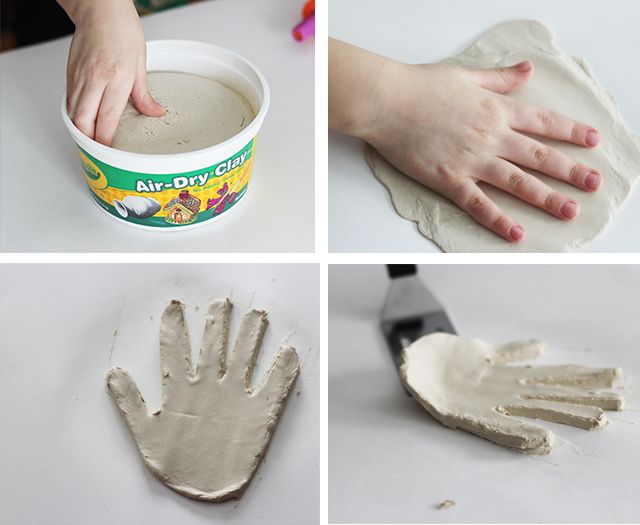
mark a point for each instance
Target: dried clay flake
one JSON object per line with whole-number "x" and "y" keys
{"x": 446, "y": 504}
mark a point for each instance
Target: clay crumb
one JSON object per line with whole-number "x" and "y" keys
{"x": 446, "y": 504}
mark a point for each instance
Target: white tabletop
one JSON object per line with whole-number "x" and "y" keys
{"x": 66, "y": 455}
{"x": 44, "y": 204}
{"x": 389, "y": 461}
{"x": 361, "y": 216}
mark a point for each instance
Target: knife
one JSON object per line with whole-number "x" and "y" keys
{"x": 410, "y": 311}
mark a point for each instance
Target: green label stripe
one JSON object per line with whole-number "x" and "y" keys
{"x": 126, "y": 180}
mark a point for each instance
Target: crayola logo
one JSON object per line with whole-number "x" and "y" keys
{"x": 93, "y": 174}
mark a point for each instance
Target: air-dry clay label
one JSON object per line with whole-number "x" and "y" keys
{"x": 169, "y": 200}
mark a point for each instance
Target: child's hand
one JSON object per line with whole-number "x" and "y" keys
{"x": 450, "y": 128}
{"x": 107, "y": 63}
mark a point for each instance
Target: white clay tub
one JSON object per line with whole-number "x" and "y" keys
{"x": 181, "y": 190}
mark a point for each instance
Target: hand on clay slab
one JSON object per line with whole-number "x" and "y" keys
{"x": 465, "y": 384}
{"x": 455, "y": 131}
{"x": 212, "y": 431}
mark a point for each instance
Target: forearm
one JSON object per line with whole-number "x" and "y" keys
{"x": 356, "y": 87}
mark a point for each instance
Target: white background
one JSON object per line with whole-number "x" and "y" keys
{"x": 361, "y": 216}
{"x": 42, "y": 481}
{"x": 44, "y": 203}
{"x": 65, "y": 454}
{"x": 389, "y": 461}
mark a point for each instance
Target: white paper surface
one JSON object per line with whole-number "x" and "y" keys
{"x": 65, "y": 454}
{"x": 361, "y": 215}
{"x": 45, "y": 205}
{"x": 389, "y": 461}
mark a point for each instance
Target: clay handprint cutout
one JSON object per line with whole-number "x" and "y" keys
{"x": 465, "y": 384}
{"x": 213, "y": 428}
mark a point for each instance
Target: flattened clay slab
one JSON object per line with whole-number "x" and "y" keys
{"x": 561, "y": 83}
{"x": 201, "y": 112}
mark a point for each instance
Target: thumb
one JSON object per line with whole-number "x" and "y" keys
{"x": 127, "y": 397}
{"x": 142, "y": 99}
{"x": 503, "y": 79}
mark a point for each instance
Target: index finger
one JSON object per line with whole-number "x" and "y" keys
{"x": 214, "y": 339}
{"x": 112, "y": 105}
{"x": 529, "y": 118}
{"x": 84, "y": 106}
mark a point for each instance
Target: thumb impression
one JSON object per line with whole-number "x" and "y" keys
{"x": 503, "y": 79}
{"x": 127, "y": 397}
{"x": 142, "y": 99}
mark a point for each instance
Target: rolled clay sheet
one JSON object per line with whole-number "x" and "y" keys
{"x": 561, "y": 83}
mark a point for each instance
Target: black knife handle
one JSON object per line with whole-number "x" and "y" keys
{"x": 401, "y": 270}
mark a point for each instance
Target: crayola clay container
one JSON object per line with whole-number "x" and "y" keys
{"x": 177, "y": 185}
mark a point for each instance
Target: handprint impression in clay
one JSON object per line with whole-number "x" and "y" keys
{"x": 463, "y": 383}
{"x": 212, "y": 431}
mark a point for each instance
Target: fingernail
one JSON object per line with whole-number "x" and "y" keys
{"x": 525, "y": 66}
{"x": 593, "y": 180}
{"x": 161, "y": 108}
{"x": 592, "y": 138}
{"x": 516, "y": 233}
{"x": 569, "y": 209}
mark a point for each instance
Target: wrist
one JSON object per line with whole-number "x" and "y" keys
{"x": 378, "y": 101}
{"x": 358, "y": 81}
{"x": 81, "y": 12}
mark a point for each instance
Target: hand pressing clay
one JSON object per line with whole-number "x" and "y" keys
{"x": 201, "y": 112}
{"x": 213, "y": 428}
{"x": 465, "y": 384}
{"x": 560, "y": 83}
